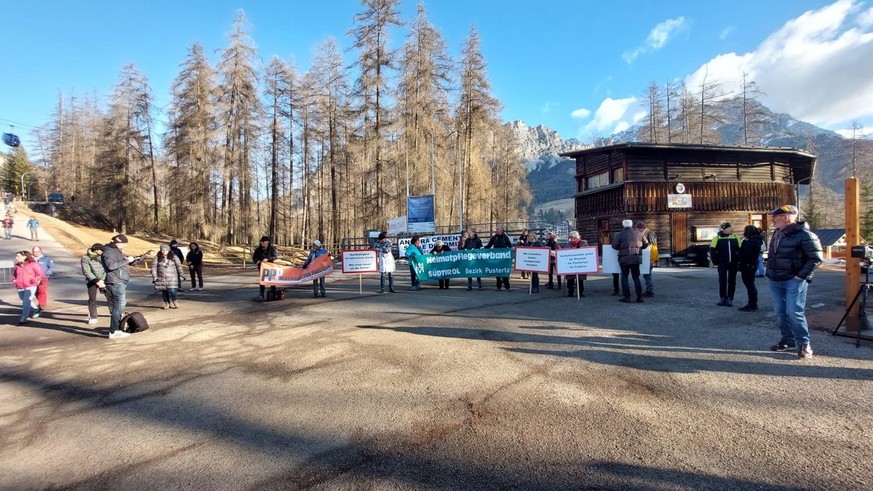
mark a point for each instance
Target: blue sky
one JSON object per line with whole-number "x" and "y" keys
{"x": 578, "y": 67}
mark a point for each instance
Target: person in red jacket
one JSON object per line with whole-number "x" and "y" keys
{"x": 26, "y": 276}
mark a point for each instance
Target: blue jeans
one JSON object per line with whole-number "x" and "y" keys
{"x": 789, "y": 302}
{"x": 25, "y": 296}
{"x": 170, "y": 294}
{"x": 760, "y": 272}
{"x": 116, "y": 294}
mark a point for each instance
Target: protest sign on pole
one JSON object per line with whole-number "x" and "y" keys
{"x": 532, "y": 259}
{"x": 582, "y": 260}
{"x": 360, "y": 262}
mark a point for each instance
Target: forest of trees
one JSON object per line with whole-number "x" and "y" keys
{"x": 247, "y": 148}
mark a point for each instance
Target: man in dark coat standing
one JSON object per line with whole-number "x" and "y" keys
{"x": 724, "y": 250}
{"x": 792, "y": 258}
{"x": 265, "y": 253}
{"x": 500, "y": 241}
{"x": 630, "y": 243}
{"x": 117, "y": 268}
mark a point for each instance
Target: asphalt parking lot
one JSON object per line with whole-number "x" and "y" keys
{"x": 436, "y": 389}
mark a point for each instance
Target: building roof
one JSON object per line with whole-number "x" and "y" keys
{"x": 829, "y": 236}
{"x": 802, "y": 163}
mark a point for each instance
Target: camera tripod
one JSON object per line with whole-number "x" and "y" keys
{"x": 863, "y": 323}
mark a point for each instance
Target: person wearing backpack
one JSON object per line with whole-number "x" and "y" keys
{"x": 724, "y": 251}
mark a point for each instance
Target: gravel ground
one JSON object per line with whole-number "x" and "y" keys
{"x": 436, "y": 389}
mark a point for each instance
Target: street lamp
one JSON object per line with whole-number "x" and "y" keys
{"x": 23, "y": 190}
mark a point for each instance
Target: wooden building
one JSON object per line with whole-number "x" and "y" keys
{"x": 683, "y": 192}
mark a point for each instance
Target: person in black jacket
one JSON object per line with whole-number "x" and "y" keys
{"x": 471, "y": 241}
{"x": 265, "y": 253}
{"x": 792, "y": 258}
{"x": 500, "y": 241}
{"x": 117, "y": 268}
{"x": 522, "y": 242}
{"x": 194, "y": 259}
{"x": 552, "y": 243}
{"x": 750, "y": 251}
{"x": 724, "y": 250}
{"x": 174, "y": 248}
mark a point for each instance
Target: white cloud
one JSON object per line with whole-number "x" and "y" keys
{"x": 658, "y": 37}
{"x": 581, "y": 113}
{"x": 613, "y": 116}
{"x": 865, "y": 19}
{"x": 816, "y": 68}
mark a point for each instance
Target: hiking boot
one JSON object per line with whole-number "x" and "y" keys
{"x": 729, "y": 302}
{"x": 783, "y": 345}
{"x": 722, "y": 302}
{"x": 260, "y": 298}
{"x": 392, "y": 290}
{"x": 748, "y": 308}
{"x": 804, "y": 351}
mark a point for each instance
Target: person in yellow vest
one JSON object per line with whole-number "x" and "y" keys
{"x": 653, "y": 254}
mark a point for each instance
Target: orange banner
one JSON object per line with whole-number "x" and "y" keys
{"x": 273, "y": 274}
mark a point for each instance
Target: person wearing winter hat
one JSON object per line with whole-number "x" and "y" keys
{"x": 317, "y": 251}
{"x": 117, "y": 276}
{"x": 724, "y": 251}
{"x": 792, "y": 258}
{"x": 630, "y": 243}
{"x": 167, "y": 275}
{"x": 92, "y": 269}
{"x": 265, "y": 253}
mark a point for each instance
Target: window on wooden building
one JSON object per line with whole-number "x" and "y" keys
{"x": 597, "y": 180}
{"x": 618, "y": 174}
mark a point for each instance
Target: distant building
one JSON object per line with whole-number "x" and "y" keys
{"x": 833, "y": 242}
{"x": 683, "y": 192}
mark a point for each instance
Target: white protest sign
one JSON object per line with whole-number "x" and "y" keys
{"x": 533, "y": 259}
{"x": 428, "y": 242}
{"x": 359, "y": 262}
{"x": 610, "y": 260}
{"x": 576, "y": 261}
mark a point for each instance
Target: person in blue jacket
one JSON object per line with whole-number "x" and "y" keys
{"x": 414, "y": 250}
{"x": 317, "y": 251}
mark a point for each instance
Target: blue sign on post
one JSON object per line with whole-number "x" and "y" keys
{"x": 420, "y": 214}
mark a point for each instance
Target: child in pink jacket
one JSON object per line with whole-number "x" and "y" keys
{"x": 26, "y": 275}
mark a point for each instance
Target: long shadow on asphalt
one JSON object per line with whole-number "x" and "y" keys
{"x": 412, "y": 462}
{"x": 626, "y": 354}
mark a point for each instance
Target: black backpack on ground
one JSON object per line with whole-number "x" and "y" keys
{"x": 133, "y": 322}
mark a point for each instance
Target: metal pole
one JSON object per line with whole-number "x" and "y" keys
{"x": 23, "y": 190}
{"x": 460, "y": 185}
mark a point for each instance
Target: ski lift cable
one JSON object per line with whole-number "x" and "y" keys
{"x": 20, "y": 123}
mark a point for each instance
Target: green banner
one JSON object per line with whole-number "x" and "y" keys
{"x": 473, "y": 263}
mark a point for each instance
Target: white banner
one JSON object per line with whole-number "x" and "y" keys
{"x": 610, "y": 260}
{"x": 533, "y": 259}
{"x": 359, "y": 262}
{"x": 396, "y": 225}
{"x": 428, "y": 242}
{"x": 576, "y": 261}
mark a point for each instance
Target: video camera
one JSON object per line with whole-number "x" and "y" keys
{"x": 863, "y": 252}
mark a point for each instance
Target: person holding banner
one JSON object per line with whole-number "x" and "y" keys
{"x": 630, "y": 243}
{"x": 575, "y": 243}
{"x": 471, "y": 241}
{"x": 317, "y": 251}
{"x": 523, "y": 242}
{"x": 386, "y": 262}
{"x": 440, "y": 248}
{"x": 414, "y": 250}
{"x": 265, "y": 253}
{"x": 534, "y": 276}
{"x": 500, "y": 241}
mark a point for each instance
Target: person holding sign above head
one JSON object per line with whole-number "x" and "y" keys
{"x": 575, "y": 243}
{"x": 386, "y": 262}
{"x": 414, "y": 250}
{"x": 500, "y": 241}
{"x": 630, "y": 244}
{"x": 471, "y": 241}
